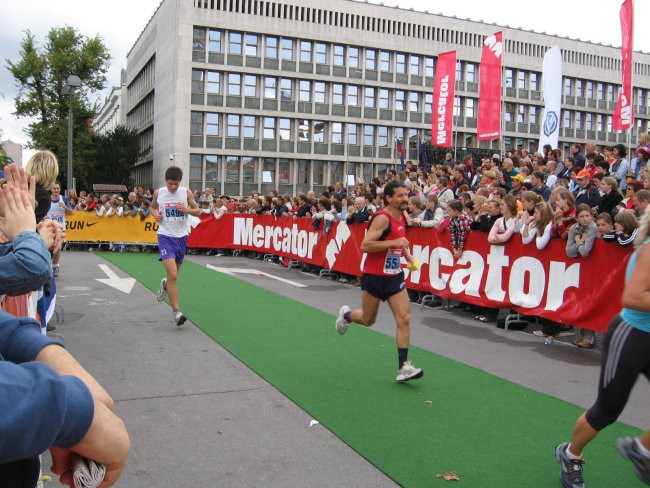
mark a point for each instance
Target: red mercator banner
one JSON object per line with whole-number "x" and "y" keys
{"x": 574, "y": 291}
{"x": 623, "y": 116}
{"x": 444, "y": 88}
{"x": 489, "y": 103}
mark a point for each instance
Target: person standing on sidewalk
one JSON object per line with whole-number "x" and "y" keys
{"x": 626, "y": 355}
{"x": 170, "y": 206}
{"x": 383, "y": 279}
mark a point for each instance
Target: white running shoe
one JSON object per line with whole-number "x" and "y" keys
{"x": 162, "y": 293}
{"x": 179, "y": 318}
{"x": 409, "y": 372}
{"x": 341, "y": 323}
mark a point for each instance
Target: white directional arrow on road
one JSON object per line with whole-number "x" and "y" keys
{"x": 122, "y": 284}
{"x": 233, "y": 271}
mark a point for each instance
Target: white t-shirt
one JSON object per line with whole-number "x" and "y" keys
{"x": 57, "y": 212}
{"x": 173, "y": 222}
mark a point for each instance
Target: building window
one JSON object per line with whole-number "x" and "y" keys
{"x": 232, "y": 169}
{"x": 196, "y": 123}
{"x": 579, "y": 89}
{"x": 429, "y": 67}
{"x": 198, "y": 41}
{"x": 304, "y": 131}
{"x": 578, "y": 121}
{"x": 568, "y": 89}
{"x": 339, "y": 55}
{"x": 284, "y": 176}
{"x": 521, "y": 80}
{"x": 589, "y": 121}
{"x": 287, "y": 48}
{"x": 214, "y": 82}
{"x": 269, "y": 128}
{"x": 286, "y": 90}
{"x": 321, "y": 53}
{"x": 214, "y": 41}
{"x": 249, "y": 126}
{"x": 352, "y": 134}
{"x": 319, "y": 91}
{"x": 566, "y": 119}
{"x": 457, "y": 106}
{"x": 337, "y": 94}
{"x": 337, "y": 133}
{"x": 285, "y": 129}
{"x": 400, "y": 63}
{"x": 601, "y": 91}
{"x": 384, "y": 60}
{"x": 305, "y": 51}
{"x": 415, "y": 65}
{"x": 590, "y": 90}
{"x": 303, "y": 172}
{"x": 197, "y": 81}
{"x": 384, "y": 98}
{"x": 271, "y": 47}
{"x": 414, "y": 101}
{"x": 251, "y": 45}
{"x": 270, "y": 90}
{"x": 235, "y": 43}
{"x": 510, "y": 82}
{"x": 304, "y": 94}
{"x": 521, "y": 114}
{"x": 532, "y": 114}
{"x": 196, "y": 169}
{"x": 234, "y": 84}
{"x": 211, "y": 124}
{"x": 368, "y": 135}
{"x": 371, "y": 59}
{"x": 400, "y": 100}
{"x": 459, "y": 71}
{"x": 318, "y": 172}
{"x": 353, "y": 57}
{"x": 510, "y": 112}
{"x": 319, "y": 131}
{"x": 250, "y": 85}
{"x": 369, "y": 97}
{"x": 211, "y": 168}
{"x": 533, "y": 80}
{"x": 248, "y": 169}
{"x": 233, "y": 125}
{"x": 469, "y": 108}
{"x": 428, "y": 101}
{"x": 382, "y": 136}
{"x": 268, "y": 170}
{"x": 336, "y": 170}
{"x": 353, "y": 95}
{"x": 470, "y": 72}
{"x": 611, "y": 93}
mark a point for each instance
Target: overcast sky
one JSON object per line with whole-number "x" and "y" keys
{"x": 119, "y": 22}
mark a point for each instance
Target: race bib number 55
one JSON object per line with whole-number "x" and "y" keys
{"x": 392, "y": 264}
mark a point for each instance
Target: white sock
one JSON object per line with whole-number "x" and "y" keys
{"x": 642, "y": 448}
{"x": 570, "y": 454}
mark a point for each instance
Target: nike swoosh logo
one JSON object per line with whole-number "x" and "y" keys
{"x": 90, "y": 225}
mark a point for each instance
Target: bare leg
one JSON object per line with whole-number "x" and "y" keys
{"x": 368, "y": 313}
{"x": 400, "y": 306}
{"x": 583, "y": 433}
{"x": 56, "y": 257}
{"x": 645, "y": 439}
{"x": 172, "y": 269}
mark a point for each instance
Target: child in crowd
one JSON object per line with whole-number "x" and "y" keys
{"x": 625, "y": 229}
{"x": 582, "y": 234}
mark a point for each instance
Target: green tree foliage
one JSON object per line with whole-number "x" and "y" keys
{"x": 116, "y": 152}
{"x": 40, "y": 74}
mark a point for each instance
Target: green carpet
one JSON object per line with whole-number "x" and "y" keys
{"x": 492, "y": 432}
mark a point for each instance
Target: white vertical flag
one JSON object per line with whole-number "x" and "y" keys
{"x": 552, "y": 95}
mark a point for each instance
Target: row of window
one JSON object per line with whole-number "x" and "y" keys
{"x": 395, "y": 27}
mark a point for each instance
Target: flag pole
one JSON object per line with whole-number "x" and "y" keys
{"x": 502, "y": 118}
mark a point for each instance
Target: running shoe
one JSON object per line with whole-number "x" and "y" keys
{"x": 162, "y": 293}
{"x": 630, "y": 450}
{"x": 409, "y": 372}
{"x": 341, "y": 323}
{"x": 56, "y": 270}
{"x": 179, "y": 318}
{"x": 571, "y": 472}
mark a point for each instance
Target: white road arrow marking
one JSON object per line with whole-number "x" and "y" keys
{"x": 122, "y": 284}
{"x": 233, "y": 271}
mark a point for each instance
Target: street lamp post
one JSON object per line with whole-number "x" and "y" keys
{"x": 69, "y": 87}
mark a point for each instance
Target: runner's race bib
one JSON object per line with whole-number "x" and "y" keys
{"x": 172, "y": 214}
{"x": 392, "y": 264}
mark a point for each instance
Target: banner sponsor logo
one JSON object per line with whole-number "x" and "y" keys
{"x": 550, "y": 123}
{"x": 288, "y": 240}
{"x": 335, "y": 245}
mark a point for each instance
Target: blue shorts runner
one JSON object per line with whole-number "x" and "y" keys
{"x": 172, "y": 248}
{"x": 383, "y": 287}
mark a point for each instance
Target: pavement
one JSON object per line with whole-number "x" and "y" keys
{"x": 199, "y": 417}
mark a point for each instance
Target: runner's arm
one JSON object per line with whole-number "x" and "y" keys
{"x": 371, "y": 242}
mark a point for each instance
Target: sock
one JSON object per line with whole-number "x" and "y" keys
{"x": 402, "y": 356}
{"x": 570, "y": 454}
{"x": 347, "y": 316}
{"x": 642, "y": 448}
{"x": 174, "y": 310}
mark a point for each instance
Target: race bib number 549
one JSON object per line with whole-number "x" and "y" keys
{"x": 172, "y": 213}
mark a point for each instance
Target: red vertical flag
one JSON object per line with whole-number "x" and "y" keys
{"x": 444, "y": 88}
{"x": 489, "y": 104}
{"x": 623, "y": 116}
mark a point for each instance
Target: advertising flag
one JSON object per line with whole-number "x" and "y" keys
{"x": 444, "y": 88}
{"x": 623, "y": 116}
{"x": 489, "y": 102}
{"x": 552, "y": 94}
{"x": 422, "y": 155}
{"x": 400, "y": 150}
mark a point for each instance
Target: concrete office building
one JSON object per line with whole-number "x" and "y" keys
{"x": 251, "y": 95}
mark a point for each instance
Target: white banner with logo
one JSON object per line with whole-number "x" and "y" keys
{"x": 552, "y": 95}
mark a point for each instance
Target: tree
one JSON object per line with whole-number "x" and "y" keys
{"x": 40, "y": 74}
{"x": 116, "y": 153}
